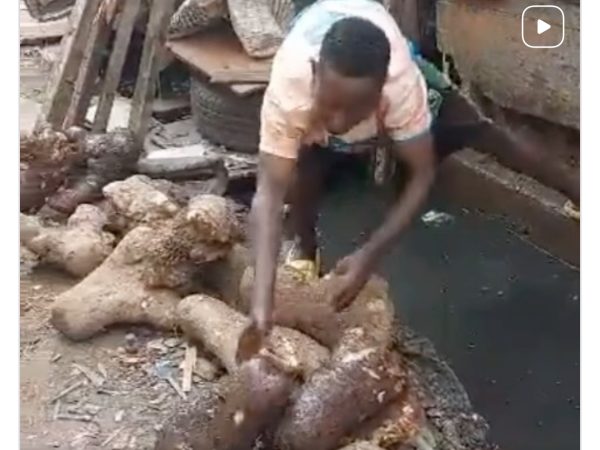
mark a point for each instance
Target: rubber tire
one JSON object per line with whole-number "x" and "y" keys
{"x": 52, "y": 11}
{"x": 225, "y": 118}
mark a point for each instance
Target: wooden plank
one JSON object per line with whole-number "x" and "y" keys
{"x": 88, "y": 72}
{"x": 217, "y": 52}
{"x": 115, "y": 64}
{"x": 484, "y": 39}
{"x": 65, "y": 72}
{"x": 249, "y": 76}
{"x": 143, "y": 95}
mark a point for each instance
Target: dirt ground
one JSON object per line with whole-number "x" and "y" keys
{"x": 128, "y": 396}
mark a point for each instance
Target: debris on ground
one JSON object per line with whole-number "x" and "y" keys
{"x": 436, "y": 218}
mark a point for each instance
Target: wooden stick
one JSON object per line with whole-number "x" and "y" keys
{"x": 111, "y": 437}
{"x": 62, "y": 80}
{"x": 176, "y": 387}
{"x": 56, "y": 411}
{"x": 68, "y": 390}
{"x": 188, "y": 367}
{"x": 75, "y": 417}
{"x": 141, "y": 108}
{"x": 97, "y": 380}
{"x": 88, "y": 72}
{"x": 115, "y": 64}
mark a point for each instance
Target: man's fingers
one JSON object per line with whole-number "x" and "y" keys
{"x": 341, "y": 299}
{"x": 341, "y": 267}
{"x": 249, "y": 344}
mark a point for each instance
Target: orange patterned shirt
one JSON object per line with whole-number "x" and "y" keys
{"x": 286, "y": 123}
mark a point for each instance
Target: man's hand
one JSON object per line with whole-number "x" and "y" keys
{"x": 253, "y": 339}
{"x": 352, "y": 273}
{"x": 354, "y": 270}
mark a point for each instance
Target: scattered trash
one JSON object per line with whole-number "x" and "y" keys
{"x": 102, "y": 370}
{"x": 92, "y": 409}
{"x": 68, "y": 390}
{"x": 157, "y": 345}
{"x": 56, "y": 410}
{"x": 94, "y": 378}
{"x": 163, "y": 368}
{"x": 119, "y": 114}
{"x": 188, "y": 366}
{"x": 160, "y": 399}
{"x": 75, "y": 417}
{"x": 172, "y": 342}
{"x": 119, "y": 416}
{"x": 131, "y": 343}
{"x": 111, "y": 437}
{"x": 436, "y": 218}
{"x": 176, "y": 387}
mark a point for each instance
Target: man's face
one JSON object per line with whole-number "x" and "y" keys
{"x": 342, "y": 102}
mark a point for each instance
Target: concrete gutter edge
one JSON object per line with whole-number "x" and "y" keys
{"x": 474, "y": 180}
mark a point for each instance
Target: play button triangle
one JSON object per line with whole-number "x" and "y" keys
{"x": 542, "y": 26}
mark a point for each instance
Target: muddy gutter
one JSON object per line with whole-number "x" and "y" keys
{"x": 474, "y": 180}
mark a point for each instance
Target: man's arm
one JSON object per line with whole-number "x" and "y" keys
{"x": 419, "y": 157}
{"x": 354, "y": 271}
{"x": 274, "y": 177}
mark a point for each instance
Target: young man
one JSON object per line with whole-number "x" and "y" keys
{"x": 343, "y": 77}
{"x": 343, "y": 81}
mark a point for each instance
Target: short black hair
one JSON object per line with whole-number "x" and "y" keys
{"x": 356, "y": 47}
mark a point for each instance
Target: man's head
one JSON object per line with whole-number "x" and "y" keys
{"x": 352, "y": 68}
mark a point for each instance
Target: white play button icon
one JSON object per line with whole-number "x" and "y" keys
{"x": 542, "y": 26}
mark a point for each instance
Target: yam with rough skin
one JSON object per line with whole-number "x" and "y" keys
{"x": 141, "y": 281}
{"x": 306, "y": 306}
{"x": 254, "y": 402}
{"x": 79, "y": 247}
{"x": 362, "y": 369}
{"x": 218, "y": 327}
{"x": 255, "y": 26}
{"x": 361, "y": 445}
{"x": 336, "y": 399}
{"x": 401, "y": 421}
{"x": 204, "y": 231}
{"x": 138, "y": 202}
{"x": 107, "y": 157}
{"x": 224, "y": 276}
{"x": 46, "y": 157}
{"x": 116, "y": 293}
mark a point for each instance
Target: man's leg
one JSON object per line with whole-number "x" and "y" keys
{"x": 483, "y": 135}
{"x": 304, "y": 198}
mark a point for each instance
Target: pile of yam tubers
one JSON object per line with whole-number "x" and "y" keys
{"x": 327, "y": 379}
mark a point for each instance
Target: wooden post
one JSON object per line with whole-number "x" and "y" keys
{"x": 88, "y": 72}
{"x": 115, "y": 64}
{"x": 65, "y": 73}
{"x": 141, "y": 108}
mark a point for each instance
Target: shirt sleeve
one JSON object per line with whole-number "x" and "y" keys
{"x": 407, "y": 113}
{"x": 285, "y": 110}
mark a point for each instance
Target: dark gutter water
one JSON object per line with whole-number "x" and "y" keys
{"x": 504, "y": 314}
